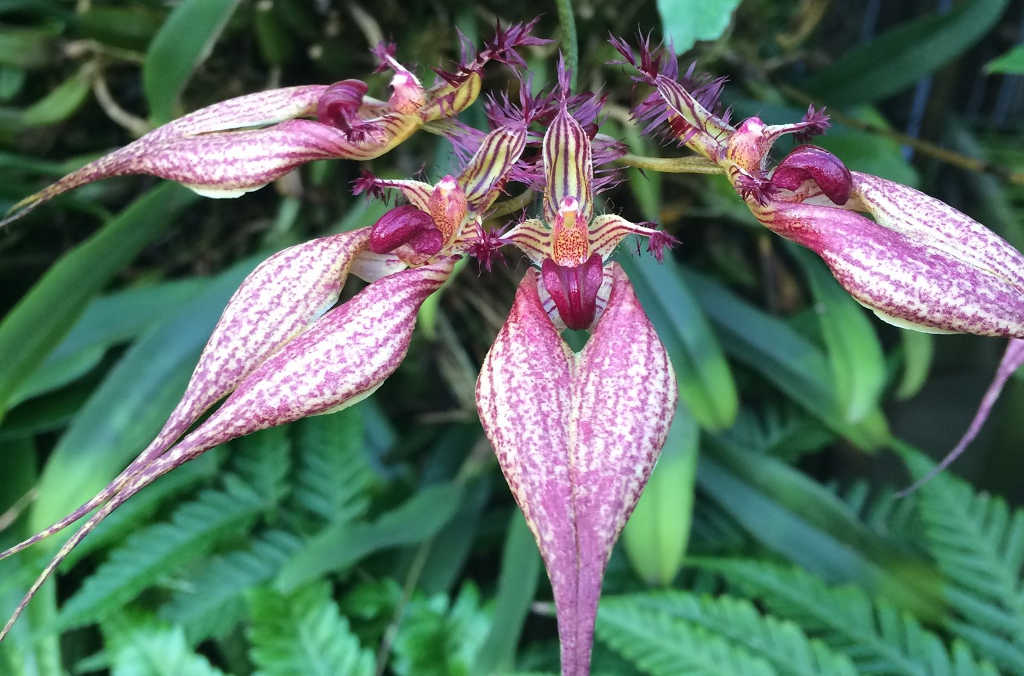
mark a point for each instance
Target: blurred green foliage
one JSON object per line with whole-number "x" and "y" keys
{"x": 382, "y": 539}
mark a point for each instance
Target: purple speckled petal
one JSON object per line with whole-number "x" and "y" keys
{"x": 568, "y": 167}
{"x": 278, "y": 300}
{"x": 576, "y": 436}
{"x": 340, "y": 360}
{"x": 925, "y": 219}
{"x": 219, "y": 152}
{"x": 1012, "y": 360}
{"x": 903, "y": 277}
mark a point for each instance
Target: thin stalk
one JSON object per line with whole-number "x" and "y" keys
{"x": 671, "y": 165}
{"x": 567, "y": 21}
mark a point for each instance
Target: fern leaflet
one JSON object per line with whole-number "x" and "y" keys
{"x": 333, "y": 475}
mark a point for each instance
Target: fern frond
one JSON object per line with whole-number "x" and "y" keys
{"x": 213, "y": 601}
{"x": 884, "y": 512}
{"x": 979, "y": 546}
{"x": 333, "y": 474}
{"x": 435, "y": 640}
{"x": 303, "y": 634}
{"x": 142, "y": 646}
{"x": 781, "y": 644}
{"x": 877, "y": 636}
{"x": 660, "y": 644}
{"x": 263, "y": 461}
{"x": 156, "y": 550}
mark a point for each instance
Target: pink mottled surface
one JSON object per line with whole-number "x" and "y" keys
{"x": 576, "y": 436}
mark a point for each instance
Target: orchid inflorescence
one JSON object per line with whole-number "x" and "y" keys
{"x": 576, "y": 434}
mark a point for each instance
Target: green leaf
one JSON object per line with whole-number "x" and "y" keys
{"x": 918, "y": 350}
{"x": 978, "y": 542}
{"x": 152, "y": 553}
{"x": 11, "y": 81}
{"x": 147, "y": 648}
{"x": 62, "y": 101}
{"x": 797, "y": 535}
{"x": 213, "y": 601}
{"x": 184, "y": 41}
{"x": 855, "y": 355}
{"x": 106, "y": 321}
{"x": 901, "y": 56}
{"x": 1012, "y": 62}
{"x": 334, "y": 475}
{"x": 683, "y": 22}
{"x": 131, "y": 405}
{"x": 517, "y": 585}
{"x": 438, "y": 638}
{"x": 303, "y": 634}
{"x": 705, "y": 381}
{"x": 656, "y": 534}
{"x": 878, "y": 637}
{"x": 43, "y": 316}
{"x": 342, "y": 544}
{"x": 662, "y": 645}
{"x": 782, "y": 644}
{"x": 28, "y": 47}
{"x": 784, "y": 357}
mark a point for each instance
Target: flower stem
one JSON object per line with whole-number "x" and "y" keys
{"x": 671, "y": 165}
{"x": 568, "y": 23}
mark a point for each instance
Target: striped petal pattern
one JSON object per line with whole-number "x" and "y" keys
{"x": 576, "y": 436}
{"x": 487, "y": 169}
{"x": 568, "y": 167}
{"x": 340, "y": 360}
{"x": 278, "y": 300}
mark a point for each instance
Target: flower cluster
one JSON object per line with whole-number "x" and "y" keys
{"x": 576, "y": 434}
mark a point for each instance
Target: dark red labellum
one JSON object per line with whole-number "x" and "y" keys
{"x": 339, "y": 107}
{"x": 818, "y": 164}
{"x": 574, "y": 290}
{"x": 406, "y": 225}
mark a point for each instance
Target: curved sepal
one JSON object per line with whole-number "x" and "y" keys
{"x": 576, "y": 436}
{"x": 487, "y": 169}
{"x": 340, "y": 360}
{"x": 282, "y": 297}
{"x": 568, "y": 167}
{"x": 907, "y": 280}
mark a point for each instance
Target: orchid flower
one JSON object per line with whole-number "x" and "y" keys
{"x": 913, "y": 260}
{"x": 576, "y": 434}
{"x": 282, "y": 351}
{"x": 242, "y": 144}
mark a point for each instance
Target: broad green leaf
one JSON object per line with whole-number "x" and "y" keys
{"x": 705, "y": 381}
{"x": 902, "y": 55}
{"x": 133, "y": 402}
{"x": 1012, "y": 62}
{"x": 784, "y": 357}
{"x": 683, "y": 22}
{"x": 517, "y": 585}
{"x": 61, "y": 102}
{"x": 129, "y": 27}
{"x": 11, "y": 81}
{"x": 28, "y": 47}
{"x": 340, "y": 545}
{"x": 106, "y": 321}
{"x": 854, "y": 353}
{"x": 792, "y": 535}
{"x": 918, "y": 350}
{"x": 658, "y": 617}
{"x": 303, "y": 634}
{"x": 656, "y": 534}
{"x": 184, "y": 41}
{"x": 47, "y": 413}
{"x": 43, "y": 316}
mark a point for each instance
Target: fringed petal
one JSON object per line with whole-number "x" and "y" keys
{"x": 339, "y": 361}
{"x": 576, "y": 436}
{"x": 568, "y": 167}
{"x": 486, "y": 171}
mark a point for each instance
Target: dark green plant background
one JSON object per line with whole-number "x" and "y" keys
{"x": 382, "y": 539}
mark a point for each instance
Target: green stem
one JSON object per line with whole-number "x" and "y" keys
{"x": 569, "y": 48}
{"x": 671, "y": 165}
